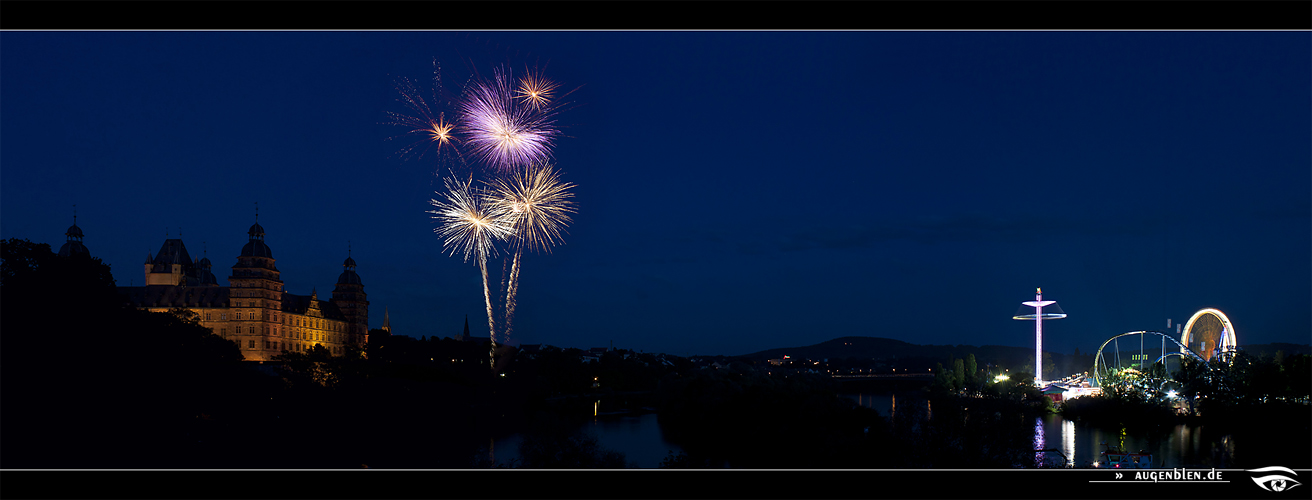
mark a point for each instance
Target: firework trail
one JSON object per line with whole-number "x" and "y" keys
{"x": 503, "y": 131}
{"x": 537, "y": 205}
{"x": 469, "y": 225}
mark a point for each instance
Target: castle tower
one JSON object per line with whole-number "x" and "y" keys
{"x": 255, "y": 297}
{"x": 74, "y": 244}
{"x": 205, "y": 273}
{"x": 171, "y": 266}
{"x": 349, "y": 296}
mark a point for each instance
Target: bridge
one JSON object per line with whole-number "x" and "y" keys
{"x": 916, "y": 375}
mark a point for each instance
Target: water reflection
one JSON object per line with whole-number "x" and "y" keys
{"x": 1183, "y": 445}
{"x": 638, "y": 437}
{"x": 1068, "y": 441}
{"x": 1039, "y": 442}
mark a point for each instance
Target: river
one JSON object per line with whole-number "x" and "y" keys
{"x": 640, "y": 438}
{"x": 637, "y": 436}
{"x": 1080, "y": 444}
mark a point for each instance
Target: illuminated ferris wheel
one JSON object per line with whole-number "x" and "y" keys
{"x": 1210, "y": 334}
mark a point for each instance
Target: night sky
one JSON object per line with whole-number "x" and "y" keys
{"x": 736, "y": 191}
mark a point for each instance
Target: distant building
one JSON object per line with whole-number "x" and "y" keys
{"x": 1055, "y": 392}
{"x": 253, "y": 311}
{"x": 530, "y": 351}
{"x": 464, "y": 336}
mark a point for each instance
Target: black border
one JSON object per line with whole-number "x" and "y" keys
{"x": 766, "y": 484}
{"x": 621, "y": 16}
{"x": 646, "y": 15}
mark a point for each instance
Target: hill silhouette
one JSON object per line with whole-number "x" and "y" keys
{"x": 885, "y": 350}
{"x": 880, "y": 349}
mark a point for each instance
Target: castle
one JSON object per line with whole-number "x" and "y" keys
{"x": 253, "y": 311}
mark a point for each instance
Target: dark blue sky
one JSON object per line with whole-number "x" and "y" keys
{"x": 737, "y": 191}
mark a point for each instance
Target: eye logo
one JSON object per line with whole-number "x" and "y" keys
{"x": 1275, "y": 482}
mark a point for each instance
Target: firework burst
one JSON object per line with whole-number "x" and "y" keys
{"x": 538, "y": 205}
{"x": 502, "y": 131}
{"x": 506, "y": 125}
{"x": 469, "y": 225}
{"x": 428, "y": 129}
{"x": 535, "y": 90}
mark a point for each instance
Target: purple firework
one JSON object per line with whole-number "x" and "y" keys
{"x": 503, "y": 131}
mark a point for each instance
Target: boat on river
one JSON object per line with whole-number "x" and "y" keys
{"x": 1116, "y": 458}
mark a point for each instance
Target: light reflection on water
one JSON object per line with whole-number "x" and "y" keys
{"x": 638, "y": 437}
{"x": 1182, "y": 446}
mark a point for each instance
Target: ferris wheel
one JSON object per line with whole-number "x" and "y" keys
{"x": 1210, "y": 334}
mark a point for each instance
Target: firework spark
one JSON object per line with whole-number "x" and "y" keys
{"x": 502, "y": 132}
{"x": 470, "y": 225}
{"x": 536, "y": 90}
{"x": 538, "y": 206}
{"x": 431, "y": 128}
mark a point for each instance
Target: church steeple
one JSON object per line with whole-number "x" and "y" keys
{"x": 387, "y": 321}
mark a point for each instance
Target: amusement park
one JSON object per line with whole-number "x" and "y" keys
{"x": 1140, "y": 376}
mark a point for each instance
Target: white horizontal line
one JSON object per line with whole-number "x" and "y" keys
{"x": 1160, "y": 480}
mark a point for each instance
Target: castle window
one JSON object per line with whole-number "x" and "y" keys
{"x": 250, "y": 344}
{"x": 238, "y": 315}
{"x": 223, "y": 316}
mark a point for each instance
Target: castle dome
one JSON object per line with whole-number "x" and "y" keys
{"x": 256, "y": 231}
{"x": 73, "y": 247}
{"x": 74, "y": 244}
{"x": 256, "y": 248}
{"x": 349, "y": 278}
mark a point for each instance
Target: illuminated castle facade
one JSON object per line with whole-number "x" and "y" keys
{"x": 254, "y": 311}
